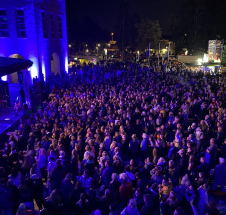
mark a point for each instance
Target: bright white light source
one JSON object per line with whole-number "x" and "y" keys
{"x": 200, "y": 61}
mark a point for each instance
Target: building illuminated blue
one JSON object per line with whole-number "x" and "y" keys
{"x": 35, "y": 30}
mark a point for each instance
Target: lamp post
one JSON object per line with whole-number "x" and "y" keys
{"x": 98, "y": 45}
{"x": 112, "y": 34}
{"x": 69, "y": 50}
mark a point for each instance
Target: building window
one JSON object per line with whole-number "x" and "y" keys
{"x": 4, "y": 28}
{"x": 21, "y": 30}
{"x": 60, "y": 27}
{"x": 44, "y": 26}
{"x": 52, "y": 26}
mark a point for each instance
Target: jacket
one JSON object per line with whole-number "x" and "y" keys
{"x": 86, "y": 182}
{"x": 219, "y": 175}
{"x": 66, "y": 188}
{"x": 144, "y": 144}
{"x": 106, "y": 175}
{"x": 6, "y": 196}
{"x": 134, "y": 146}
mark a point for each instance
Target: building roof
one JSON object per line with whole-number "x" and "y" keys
{"x": 11, "y": 65}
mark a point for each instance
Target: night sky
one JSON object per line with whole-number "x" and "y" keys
{"x": 105, "y": 12}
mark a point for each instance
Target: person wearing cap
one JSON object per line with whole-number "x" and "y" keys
{"x": 183, "y": 163}
{"x": 219, "y": 175}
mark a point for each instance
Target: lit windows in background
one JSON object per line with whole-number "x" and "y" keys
{"x": 21, "y": 30}
{"x": 52, "y": 26}
{"x": 4, "y": 28}
{"x": 44, "y": 25}
{"x": 60, "y": 27}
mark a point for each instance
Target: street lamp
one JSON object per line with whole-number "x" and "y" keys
{"x": 138, "y": 55}
{"x": 69, "y": 45}
{"x": 112, "y": 34}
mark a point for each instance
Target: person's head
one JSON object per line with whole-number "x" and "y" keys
{"x": 78, "y": 185}
{"x": 107, "y": 163}
{"x": 137, "y": 192}
{"x": 202, "y": 159}
{"x": 132, "y": 203}
{"x": 201, "y": 175}
{"x": 171, "y": 163}
{"x": 165, "y": 182}
{"x": 123, "y": 177}
{"x": 205, "y": 187}
{"x": 21, "y": 209}
{"x": 181, "y": 153}
{"x": 97, "y": 212}
{"x": 144, "y": 135}
{"x": 55, "y": 198}
{"x": 221, "y": 160}
{"x": 114, "y": 177}
{"x": 68, "y": 177}
{"x": 146, "y": 198}
{"x": 172, "y": 195}
{"x": 158, "y": 173}
{"x": 86, "y": 173}
{"x": 212, "y": 141}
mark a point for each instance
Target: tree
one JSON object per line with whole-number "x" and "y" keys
{"x": 224, "y": 56}
{"x": 147, "y": 32}
{"x": 122, "y": 30}
{"x": 200, "y": 20}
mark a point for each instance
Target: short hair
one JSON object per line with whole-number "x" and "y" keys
{"x": 147, "y": 197}
{"x": 171, "y": 162}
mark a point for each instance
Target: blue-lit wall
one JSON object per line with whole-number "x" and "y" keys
{"x": 35, "y": 47}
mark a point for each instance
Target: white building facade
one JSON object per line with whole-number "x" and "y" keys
{"x": 35, "y": 30}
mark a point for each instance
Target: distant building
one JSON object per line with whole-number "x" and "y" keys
{"x": 35, "y": 30}
{"x": 164, "y": 45}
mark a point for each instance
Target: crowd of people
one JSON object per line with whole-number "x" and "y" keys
{"x": 120, "y": 140}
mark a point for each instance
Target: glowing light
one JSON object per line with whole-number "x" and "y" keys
{"x": 69, "y": 45}
{"x": 4, "y": 78}
{"x": 34, "y": 72}
{"x": 200, "y": 61}
{"x": 66, "y": 64}
{"x": 105, "y": 51}
{"x": 87, "y": 50}
{"x": 44, "y": 71}
{"x": 206, "y": 58}
{"x": 75, "y": 58}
